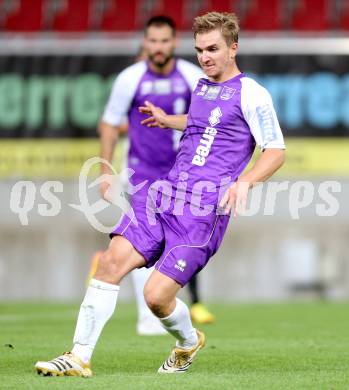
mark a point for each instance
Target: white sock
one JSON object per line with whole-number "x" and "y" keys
{"x": 178, "y": 323}
{"x": 140, "y": 277}
{"x": 96, "y": 309}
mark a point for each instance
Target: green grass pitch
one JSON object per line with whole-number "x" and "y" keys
{"x": 264, "y": 346}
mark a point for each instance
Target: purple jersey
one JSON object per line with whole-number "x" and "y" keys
{"x": 152, "y": 151}
{"x": 225, "y": 121}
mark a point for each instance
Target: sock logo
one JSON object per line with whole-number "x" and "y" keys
{"x": 181, "y": 264}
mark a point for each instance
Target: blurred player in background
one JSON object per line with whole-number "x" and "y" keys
{"x": 229, "y": 114}
{"x": 159, "y": 77}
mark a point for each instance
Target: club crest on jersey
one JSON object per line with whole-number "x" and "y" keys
{"x": 180, "y": 265}
{"x": 212, "y": 92}
{"x": 227, "y": 93}
{"x": 216, "y": 113}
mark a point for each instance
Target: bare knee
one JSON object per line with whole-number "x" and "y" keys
{"x": 118, "y": 260}
{"x": 108, "y": 267}
{"x": 160, "y": 294}
{"x": 155, "y": 304}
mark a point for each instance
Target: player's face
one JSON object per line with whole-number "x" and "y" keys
{"x": 216, "y": 58}
{"x": 159, "y": 43}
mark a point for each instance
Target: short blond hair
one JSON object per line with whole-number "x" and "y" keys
{"x": 227, "y": 23}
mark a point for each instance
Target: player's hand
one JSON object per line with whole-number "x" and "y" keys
{"x": 108, "y": 182}
{"x": 157, "y": 116}
{"x": 235, "y": 198}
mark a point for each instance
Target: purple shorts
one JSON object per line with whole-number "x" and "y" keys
{"x": 179, "y": 245}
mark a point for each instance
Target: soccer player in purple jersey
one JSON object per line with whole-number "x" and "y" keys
{"x": 161, "y": 78}
{"x": 229, "y": 114}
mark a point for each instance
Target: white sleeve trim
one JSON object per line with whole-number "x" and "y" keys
{"x": 122, "y": 94}
{"x": 258, "y": 110}
{"x": 190, "y": 72}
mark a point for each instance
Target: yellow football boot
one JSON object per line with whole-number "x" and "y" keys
{"x": 180, "y": 359}
{"x": 67, "y": 364}
{"x": 200, "y": 314}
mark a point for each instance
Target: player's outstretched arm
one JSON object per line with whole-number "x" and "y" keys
{"x": 267, "y": 164}
{"x": 159, "y": 118}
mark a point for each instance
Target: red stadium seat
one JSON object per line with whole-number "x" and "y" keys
{"x": 22, "y": 15}
{"x": 311, "y": 15}
{"x": 130, "y": 15}
{"x": 262, "y": 17}
{"x": 72, "y": 16}
{"x": 183, "y": 12}
{"x": 119, "y": 15}
{"x": 344, "y": 15}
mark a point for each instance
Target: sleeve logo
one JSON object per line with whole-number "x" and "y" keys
{"x": 266, "y": 123}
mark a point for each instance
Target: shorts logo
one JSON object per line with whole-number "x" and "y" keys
{"x": 216, "y": 113}
{"x": 181, "y": 264}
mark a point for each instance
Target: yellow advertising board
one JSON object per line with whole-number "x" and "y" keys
{"x": 63, "y": 158}
{"x": 50, "y": 158}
